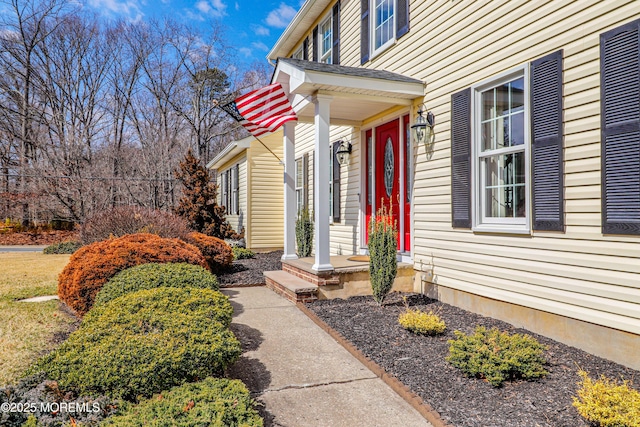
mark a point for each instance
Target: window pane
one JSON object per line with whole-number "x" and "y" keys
{"x": 487, "y": 105}
{"x": 383, "y": 22}
{"x": 517, "y": 93}
{"x": 505, "y": 186}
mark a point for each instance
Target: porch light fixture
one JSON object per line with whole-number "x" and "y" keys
{"x": 423, "y": 126}
{"x": 342, "y": 154}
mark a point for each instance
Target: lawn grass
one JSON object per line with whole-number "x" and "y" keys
{"x": 28, "y": 330}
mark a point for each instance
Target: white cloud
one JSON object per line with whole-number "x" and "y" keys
{"x": 127, "y": 8}
{"x": 260, "y": 46}
{"x": 259, "y": 30}
{"x": 280, "y": 17}
{"x": 246, "y": 51}
{"x": 213, "y": 8}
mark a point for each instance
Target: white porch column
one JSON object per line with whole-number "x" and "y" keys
{"x": 290, "y": 203}
{"x": 321, "y": 191}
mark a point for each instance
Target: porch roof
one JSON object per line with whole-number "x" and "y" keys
{"x": 358, "y": 93}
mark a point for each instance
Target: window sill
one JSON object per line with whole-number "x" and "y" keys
{"x": 382, "y": 49}
{"x": 502, "y": 229}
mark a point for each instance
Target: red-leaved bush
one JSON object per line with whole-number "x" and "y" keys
{"x": 123, "y": 220}
{"x": 93, "y": 265}
{"x": 216, "y": 251}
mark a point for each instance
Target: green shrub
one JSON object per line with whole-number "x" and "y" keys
{"x": 383, "y": 247}
{"x": 212, "y": 402}
{"x": 62, "y": 248}
{"x": 155, "y": 275}
{"x": 145, "y": 342}
{"x": 304, "y": 233}
{"x": 242, "y": 253}
{"x": 422, "y": 323}
{"x": 497, "y": 356}
{"x": 606, "y": 403}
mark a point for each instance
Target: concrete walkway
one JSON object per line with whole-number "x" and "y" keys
{"x": 301, "y": 375}
{"x": 22, "y": 248}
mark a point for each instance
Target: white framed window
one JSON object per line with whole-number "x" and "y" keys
{"x": 298, "y": 54}
{"x": 325, "y": 40}
{"x": 383, "y": 24}
{"x": 235, "y": 200}
{"x": 500, "y": 149}
{"x": 299, "y": 184}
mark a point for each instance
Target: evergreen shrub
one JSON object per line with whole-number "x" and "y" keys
{"x": 216, "y": 252}
{"x": 242, "y": 253}
{"x": 213, "y": 402}
{"x": 304, "y": 233}
{"x": 383, "y": 247}
{"x": 154, "y": 275}
{"x": 93, "y": 265}
{"x": 145, "y": 342}
{"x": 68, "y": 247}
{"x": 497, "y": 356}
{"x": 422, "y": 323}
{"x": 605, "y": 403}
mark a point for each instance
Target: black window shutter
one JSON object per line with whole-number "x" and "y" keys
{"x": 335, "y": 53}
{"x": 461, "y": 159}
{"x": 336, "y": 183}
{"x": 305, "y": 180}
{"x": 315, "y": 42}
{"x": 402, "y": 18}
{"x": 620, "y": 129}
{"x": 305, "y": 49}
{"x": 547, "y": 143}
{"x": 364, "y": 31}
{"x": 237, "y": 188}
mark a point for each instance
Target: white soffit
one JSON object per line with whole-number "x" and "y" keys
{"x": 229, "y": 152}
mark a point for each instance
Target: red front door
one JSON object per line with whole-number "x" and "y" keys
{"x": 387, "y": 170}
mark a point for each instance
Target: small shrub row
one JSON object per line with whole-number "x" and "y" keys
{"x": 93, "y": 265}
{"x": 497, "y": 356}
{"x": 242, "y": 253}
{"x": 607, "y": 403}
{"x": 419, "y": 322}
{"x": 68, "y": 247}
{"x": 213, "y": 402}
{"x": 144, "y": 342}
{"x": 155, "y": 275}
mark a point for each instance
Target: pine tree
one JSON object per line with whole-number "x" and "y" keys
{"x": 198, "y": 203}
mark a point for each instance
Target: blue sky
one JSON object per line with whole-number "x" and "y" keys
{"x": 253, "y": 26}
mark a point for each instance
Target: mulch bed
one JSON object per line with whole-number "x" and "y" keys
{"x": 249, "y": 272}
{"x": 419, "y": 363}
{"x": 38, "y": 238}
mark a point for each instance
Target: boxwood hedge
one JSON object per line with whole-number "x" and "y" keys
{"x": 145, "y": 342}
{"x": 155, "y": 275}
{"x": 213, "y": 402}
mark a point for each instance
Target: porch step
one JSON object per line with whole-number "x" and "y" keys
{"x": 293, "y": 288}
{"x": 298, "y": 269}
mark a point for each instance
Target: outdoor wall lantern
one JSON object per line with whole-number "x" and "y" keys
{"x": 423, "y": 126}
{"x": 343, "y": 151}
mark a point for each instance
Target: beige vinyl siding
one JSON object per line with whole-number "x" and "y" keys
{"x": 265, "y": 222}
{"x": 452, "y": 45}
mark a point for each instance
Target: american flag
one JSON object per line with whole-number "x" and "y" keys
{"x": 263, "y": 110}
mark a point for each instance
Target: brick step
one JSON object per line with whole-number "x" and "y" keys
{"x": 293, "y": 288}
{"x": 320, "y": 280}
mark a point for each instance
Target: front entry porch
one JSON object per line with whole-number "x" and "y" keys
{"x": 299, "y": 282}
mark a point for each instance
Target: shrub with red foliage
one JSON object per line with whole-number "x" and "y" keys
{"x": 216, "y": 251}
{"x": 93, "y": 265}
{"x": 123, "y": 220}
